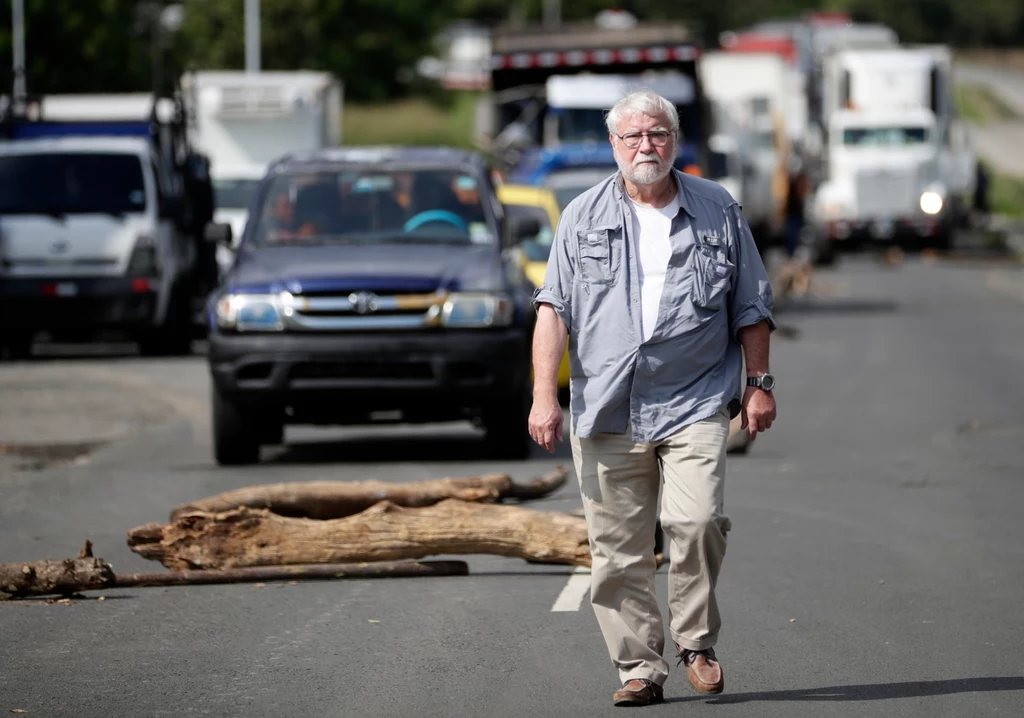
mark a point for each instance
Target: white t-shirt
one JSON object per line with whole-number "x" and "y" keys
{"x": 651, "y": 231}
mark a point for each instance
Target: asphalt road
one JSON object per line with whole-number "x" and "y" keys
{"x": 876, "y": 566}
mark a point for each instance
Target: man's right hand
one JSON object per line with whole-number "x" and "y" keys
{"x": 546, "y": 422}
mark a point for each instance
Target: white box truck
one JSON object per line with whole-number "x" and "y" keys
{"x": 245, "y": 120}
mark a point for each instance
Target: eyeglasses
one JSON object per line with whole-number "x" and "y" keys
{"x": 658, "y": 138}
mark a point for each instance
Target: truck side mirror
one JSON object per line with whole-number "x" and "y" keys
{"x": 218, "y": 233}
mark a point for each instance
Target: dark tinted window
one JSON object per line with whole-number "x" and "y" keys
{"x": 71, "y": 183}
{"x": 369, "y": 205}
{"x": 884, "y": 136}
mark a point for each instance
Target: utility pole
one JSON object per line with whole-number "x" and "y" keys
{"x": 552, "y": 14}
{"x": 19, "y": 96}
{"x": 252, "y": 35}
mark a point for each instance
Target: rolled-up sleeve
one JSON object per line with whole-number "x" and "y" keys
{"x": 558, "y": 278}
{"x": 751, "y": 299}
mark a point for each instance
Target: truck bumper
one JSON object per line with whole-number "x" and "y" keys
{"x": 37, "y": 304}
{"x": 343, "y": 379}
{"x": 884, "y": 229}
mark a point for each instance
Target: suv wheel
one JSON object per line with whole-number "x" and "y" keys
{"x": 507, "y": 435}
{"x": 236, "y": 437}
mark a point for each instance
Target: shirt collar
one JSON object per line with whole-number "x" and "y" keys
{"x": 684, "y": 201}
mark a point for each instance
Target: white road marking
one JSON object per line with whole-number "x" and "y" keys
{"x": 573, "y": 592}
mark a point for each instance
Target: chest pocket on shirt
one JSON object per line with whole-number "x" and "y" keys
{"x": 712, "y": 274}
{"x": 594, "y": 254}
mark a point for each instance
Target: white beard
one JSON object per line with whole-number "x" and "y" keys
{"x": 643, "y": 170}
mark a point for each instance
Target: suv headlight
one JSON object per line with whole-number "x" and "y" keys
{"x": 477, "y": 310}
{"x": 250, "y": 312}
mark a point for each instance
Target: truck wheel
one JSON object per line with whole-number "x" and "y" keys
{"x": 17, "y": 345}
{"x": 174, "y": 338}
{"x": 236, "y": 437}
{"x": 507, "y": 435}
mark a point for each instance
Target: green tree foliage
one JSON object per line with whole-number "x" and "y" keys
{"x": 77, "y": 46}
{"x": 365, "y": 42}
{"x": 107, "y": 45}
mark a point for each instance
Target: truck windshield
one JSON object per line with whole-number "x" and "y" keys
{"x": 582, "y": 125}
{"x": 372, "y": 205}
{"x": 884, "y": 136}
{"x": 234, "y": 193}
{"x": 71, "y": 183}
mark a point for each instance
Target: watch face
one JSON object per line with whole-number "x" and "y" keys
{"x": 767, "y": 382}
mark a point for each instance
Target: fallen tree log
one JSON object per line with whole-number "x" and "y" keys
{"x": 384, "y": 532}
{"x": 72, "y": 576}
{"x": 50, "y": 576}
{"x": 337, "y": 499}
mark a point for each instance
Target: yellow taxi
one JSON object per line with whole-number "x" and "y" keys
{"x": 541, "y": 204}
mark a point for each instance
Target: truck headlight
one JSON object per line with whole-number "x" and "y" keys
{"x": 250, "y": 312}
{"x": 477, "y": 310}
{"x": 931, "y": 202}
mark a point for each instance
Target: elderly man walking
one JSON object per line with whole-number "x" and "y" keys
{"x": 655, "y": 281}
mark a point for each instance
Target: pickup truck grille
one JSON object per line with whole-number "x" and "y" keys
{"x": 886, "y": 193}
{"x": 363, "y": 311}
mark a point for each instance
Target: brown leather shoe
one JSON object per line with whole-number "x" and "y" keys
{"x": 704, "y": 670}
{"x": 638, "y": 692}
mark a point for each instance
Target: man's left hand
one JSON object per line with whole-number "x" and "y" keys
{"x": 758, "y": 411}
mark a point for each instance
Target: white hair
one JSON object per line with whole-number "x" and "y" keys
{"x": 644, "y": 102}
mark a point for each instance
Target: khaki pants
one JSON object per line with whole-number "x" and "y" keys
{"x": 619, "y": 481}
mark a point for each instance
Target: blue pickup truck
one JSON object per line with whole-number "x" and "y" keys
{"x": 372, "y": 284}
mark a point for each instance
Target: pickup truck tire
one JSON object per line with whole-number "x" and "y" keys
{"x": 236, "y": 436}
{"x": 506, "y": 434}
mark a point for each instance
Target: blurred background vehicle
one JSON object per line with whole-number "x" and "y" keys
{"x": 243, "y": 121}
{"x": 538, "y": 203}
{"x": 373, "y": 285}
{"x": 104, "y": 200}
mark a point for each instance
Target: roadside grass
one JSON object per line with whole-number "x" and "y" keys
{"x": 980, "y": 105}
{"x": 1006, "y": 194}
{"x": 412, "y": 121}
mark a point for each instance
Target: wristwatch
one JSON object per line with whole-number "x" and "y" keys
{"x": 765, "y": 382}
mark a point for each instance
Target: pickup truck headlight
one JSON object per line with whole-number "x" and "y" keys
{"x": 250, "y": 312}
{"x": 931, "y": 202}
{"x": 463, "y": 310}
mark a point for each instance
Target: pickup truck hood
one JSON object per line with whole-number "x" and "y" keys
{"x": 382, "y": 268}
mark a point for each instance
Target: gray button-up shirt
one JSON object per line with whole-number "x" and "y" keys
{"x": 715, "y": 284}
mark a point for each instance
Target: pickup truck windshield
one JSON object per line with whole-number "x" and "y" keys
{"x": 234, "y": 193}
{"x": 373, "y": 206}
{"x": 884, "y": 136}
{"x": 71, "y": 183}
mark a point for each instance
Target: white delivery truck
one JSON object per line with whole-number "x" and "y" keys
{"x": 898, "y": 160}
{"x": 753, "y": 89}
{"x": 243, "y": 121}
{"x": 102, "y": 209}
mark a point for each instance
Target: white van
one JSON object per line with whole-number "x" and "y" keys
{"x": 89, "y": 241}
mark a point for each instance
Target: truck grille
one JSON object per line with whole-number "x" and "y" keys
{"x": 886, "y": 193}
{"x": 364, "y": 311}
